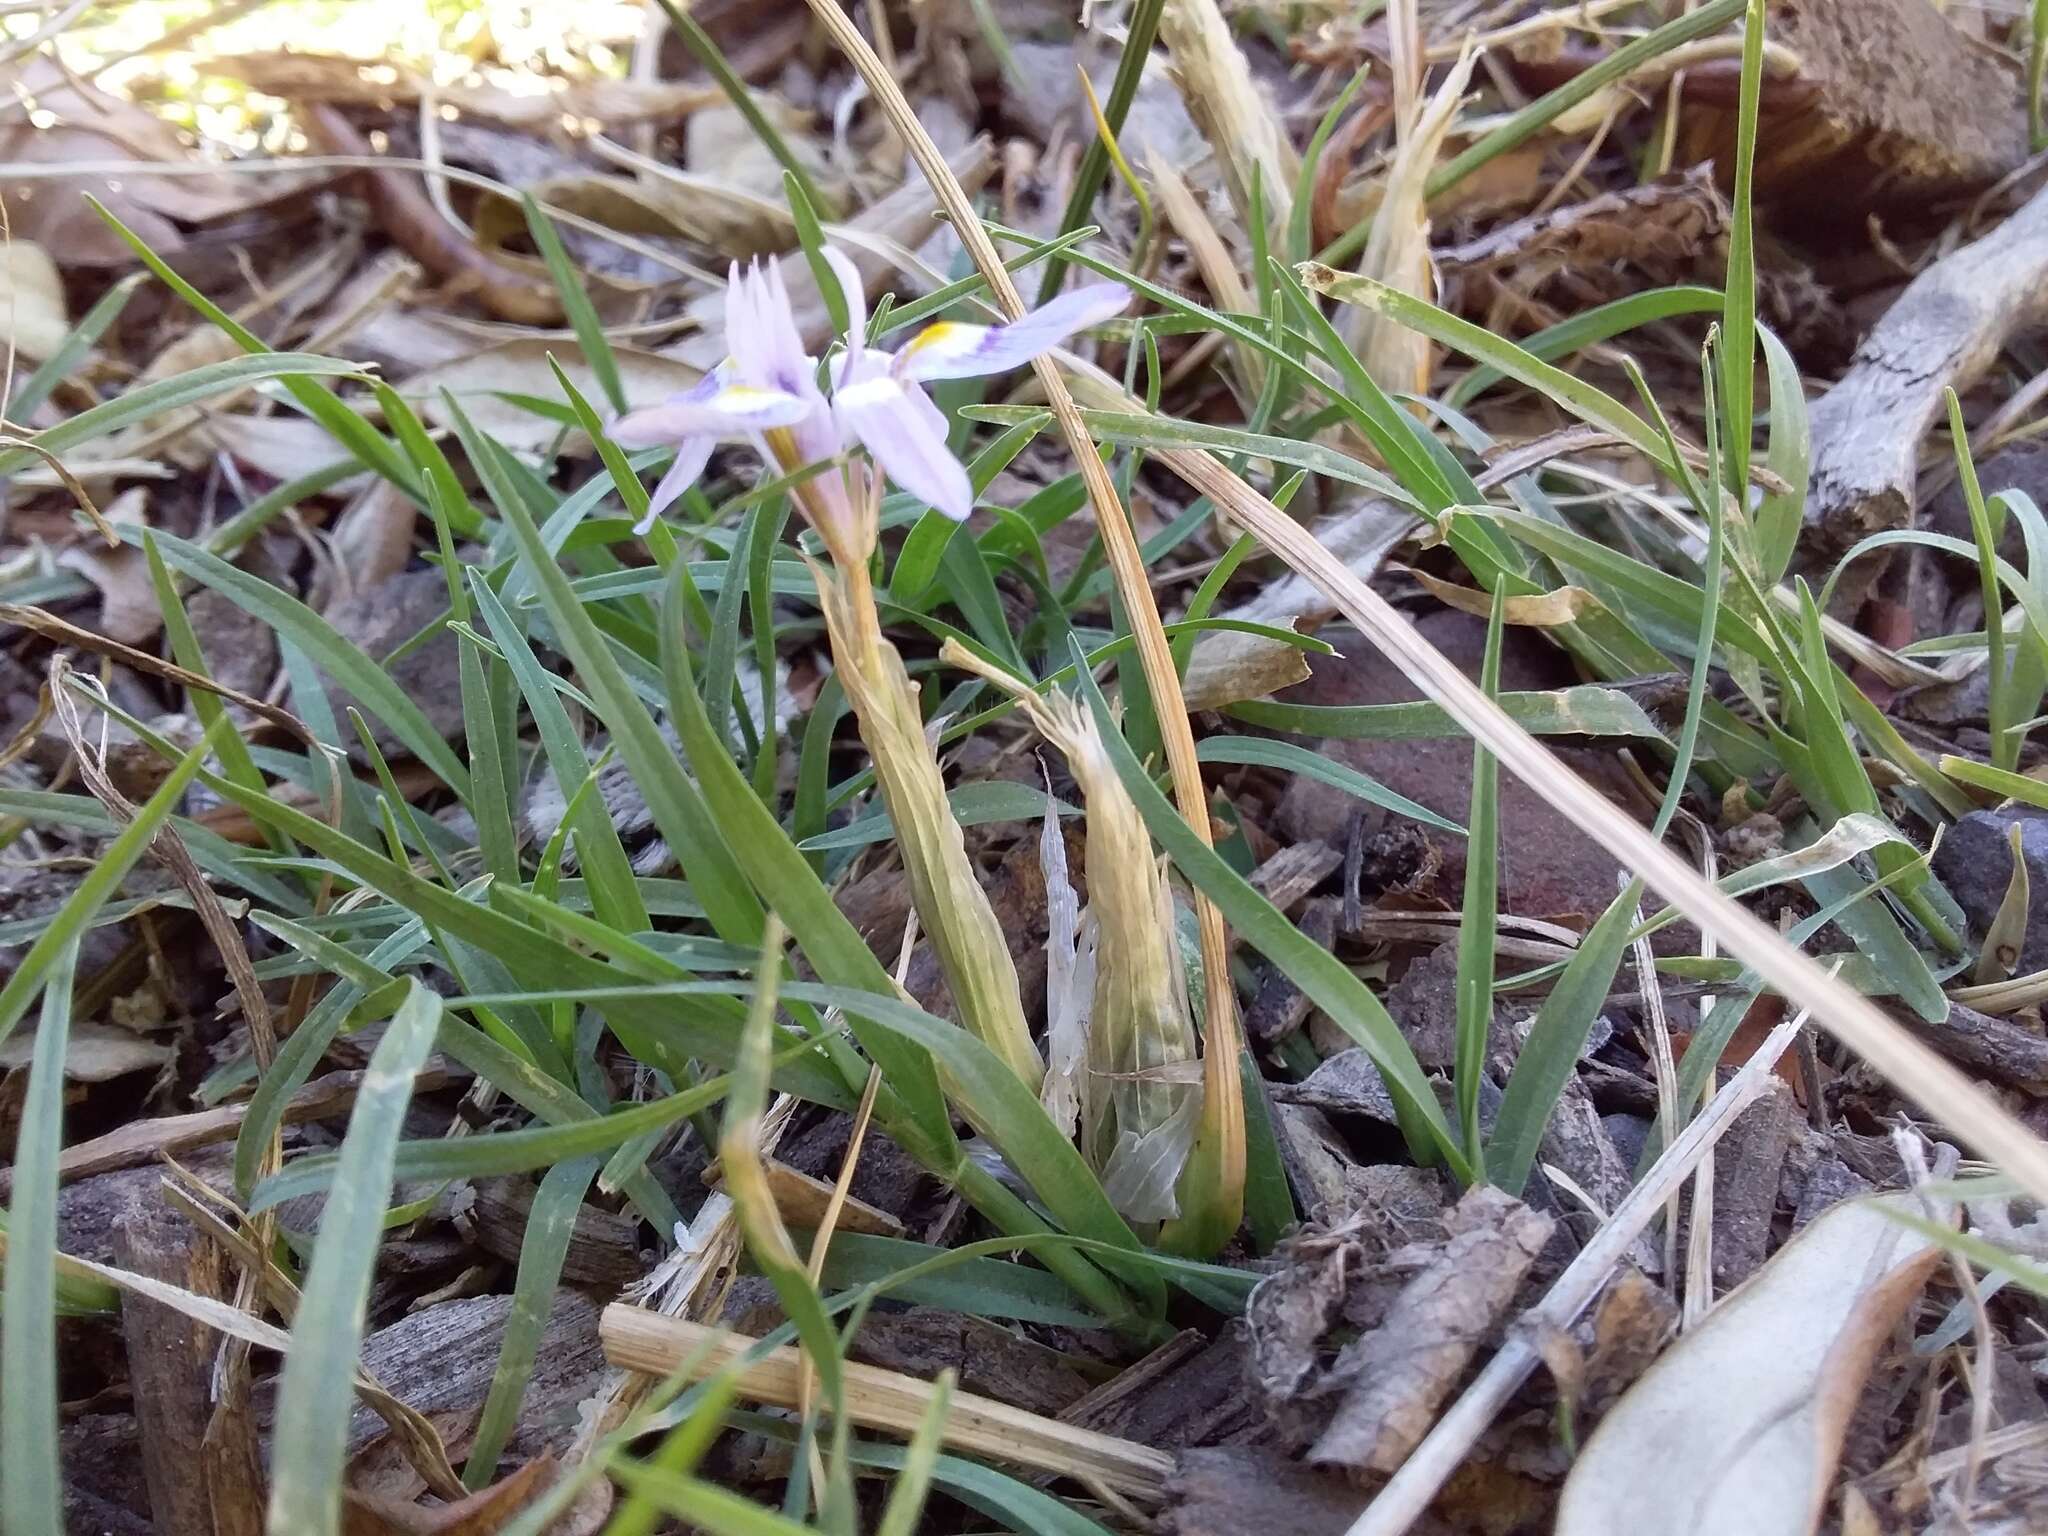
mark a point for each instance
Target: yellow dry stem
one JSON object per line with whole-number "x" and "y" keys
{"x": 951, "y": 905}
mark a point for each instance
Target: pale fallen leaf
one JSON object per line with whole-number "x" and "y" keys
{"x": 1739, "y": 1426}
{"x": 373, "y": 537}
{"x": 32, "y": 312}
{"x": 1228, "y": 666}
{"x": 479, "y": 381}
{"x": 542, "y": 104}
{"x": 728, "y": 219}
{"x": 95, "y": 1053}
{"x": 128, "y": 606}
{"x": 280, "y": 446}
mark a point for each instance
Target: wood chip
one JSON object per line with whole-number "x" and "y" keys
{"x": 638, "y": 1340}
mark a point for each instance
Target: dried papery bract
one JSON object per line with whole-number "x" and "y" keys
{"x": 1398, "y": 251}
{"x": 1140, "y": 1090}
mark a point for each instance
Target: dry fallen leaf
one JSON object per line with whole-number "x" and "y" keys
{"x": 1739, "y": 1426}
{"x": 49, "y": 117}
{"x": 479, "y": 382}
{"x": 32, "y": 313}
{"x": 128, "y": 606}
{"x": 95, "y": 1053}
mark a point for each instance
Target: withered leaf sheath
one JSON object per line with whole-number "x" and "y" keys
{"x": 1140, "y": 1091}
{"x": 951, "y": 905}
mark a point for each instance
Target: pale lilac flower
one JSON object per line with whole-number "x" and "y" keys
{"x": 766, "y": 392}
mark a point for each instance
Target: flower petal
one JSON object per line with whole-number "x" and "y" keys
{"x": 854, "y": 287}
{"x": 952, "y": 351}
{"x": 692, "y": 454}
{"x": 731, "y": 409}
{"x": 905, "y": 434}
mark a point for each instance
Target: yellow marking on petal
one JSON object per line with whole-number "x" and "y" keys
{"x": 937, "y": 335}
{"x": 745, "y": 396}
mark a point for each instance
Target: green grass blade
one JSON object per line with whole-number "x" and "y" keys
{"x": 982, "y": 803}
{"x": 2037, "y": 76}
{"x": 1738, "y": 320}
{"x": 614, "y": 893}
{"x": 1586, "y": 401}
{"x": 30, "y": 1466}
{"x": 1286, "y": 756}
{"x": 1789, "y": 456}
{"x": 550, "y": 1222}
{"x": 361, "y": 439}
{"x": 160, "y": 395}
{"x": 317, "y": 1391}
{"x": 342, "y": 661}
{"x": 706, "y": 51}
{"x": 1586, "y": 709}
{"x": 99, "y": 882}
{"x": 1589, "y": 326}
{"x": 785, "y": 879}
{"x": 677, "y": 807}
{"x": 300, "y": 1052}
{"x": 583, "y": 319}
{"x": 900, "y": 1516}
{"x": 1551, "y": 1053}
{"x": 507, "y": 1152}
{"x": 1481, "y": 912}
{"x": 704, "y": 1506}
{"x": 1140, "y": 28}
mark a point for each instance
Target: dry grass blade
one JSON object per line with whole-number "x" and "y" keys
{"x": 1397, "y": 252}
{"x": 1216, "y": 82}
{"x": 1223, "y": 1130}
{"x": 639, "y": 1340}
{"x": 1912, "y": 1068}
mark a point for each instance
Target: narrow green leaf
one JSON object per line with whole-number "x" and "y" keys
{"x": 350, "y": 430}
{"x": 550, "y": 1223}
{"x": 678, "y": 809}
{"x": 614, "y": 894}
{"x": 71, "y": 351}
{"x": 1738, "y": 321}
{"x": 583, "y": 319}
{"x": 31, "y": 1468}
{"x": 978, "y": 804}
{"x": 359, "y": 674}
{"x": 1289, "y": 758}
{"x": 317, "y": 1391}
{"x": 161, "y": 395}
{"x": 1589, "y": 326}
{"x": 97, "y": 884}
{"x": 1584, "y": 710}
{"x": 1551, "y": 1053}
{"x": 1481, "y": 911}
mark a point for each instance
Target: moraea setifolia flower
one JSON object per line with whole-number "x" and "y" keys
{"x": 766, "y": 392}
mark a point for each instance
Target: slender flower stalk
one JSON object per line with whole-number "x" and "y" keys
{"x": 1140, "y": 1088}
{"x": 767, "y": 392}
